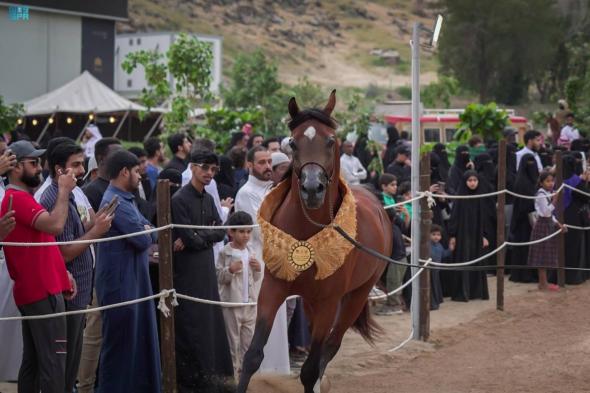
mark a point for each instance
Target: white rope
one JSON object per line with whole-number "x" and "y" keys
{"x": 576, "y": 227}
{"x": 403, "y": 344}
{"x": 576, "y": 190}
{"x": 458, "y": 264}
{"x": 125, "y": 236}
{"x": 162, "y": 295}
{"x": 223, "y": 304}
{"x": 420, "y": 196}
{"x": 386, "y": 295}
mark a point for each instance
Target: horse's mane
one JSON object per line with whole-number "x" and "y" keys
{"x": 312, "y": 114}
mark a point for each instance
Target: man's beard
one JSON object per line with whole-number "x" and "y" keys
{"x": 131, "y": 186}
{"x": 31, "y": 181}
{"x": 262, "y": 175}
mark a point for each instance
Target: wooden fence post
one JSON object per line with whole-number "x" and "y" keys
{"x": 560, "y": 218}
{"x": 501, "y": 226}
{"x": 167, "y": 339}
{"x": 425, "y": 222}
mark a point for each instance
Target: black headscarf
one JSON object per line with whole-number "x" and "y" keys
{"x": 443, "y": 167}
{"x": 392, "y": 139}
{"x": 484, "y": 165}
{"x": 226, "y": 185}
{"x": 457, "y": 169}
{"x": 569, "y": 166}
{"x": 579, "y": 167}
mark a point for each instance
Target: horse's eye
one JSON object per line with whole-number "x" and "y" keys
{"x": 292, "y": 144}
{"x": 330, "y": 142}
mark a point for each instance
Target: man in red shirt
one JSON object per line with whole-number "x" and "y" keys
{"x": 41, "y": 280}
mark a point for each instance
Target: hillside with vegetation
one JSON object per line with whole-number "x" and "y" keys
{"x": 337, "y": 43}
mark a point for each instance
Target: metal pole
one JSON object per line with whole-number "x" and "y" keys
{"x": 500, "y": 226}
{"x": 415, "y": 307}
{"x": 120, "y": 124}
{"x": 167, "y": 346}
{"x": 42, "y": 134}
{"x": 151, "y": 131}
{"x": 425, "y": 224}
{"x": 83, "y": 129}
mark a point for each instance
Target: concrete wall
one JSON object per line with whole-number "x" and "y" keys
{"x": 38, "y": 55}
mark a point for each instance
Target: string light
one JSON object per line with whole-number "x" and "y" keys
{"x": 91, "y": 116}
{"x": 112, "y": 119}
{"x": 69, "y": 120}
{"x": 50, "y": 120}
{"x": 34, "y": 122}
{"x": 19, "y": 121}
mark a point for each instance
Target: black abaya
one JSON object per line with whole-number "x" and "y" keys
{"x": 467, "y": 226}
{"x": 520, "y": 227}
{"x": 456, "y": 172}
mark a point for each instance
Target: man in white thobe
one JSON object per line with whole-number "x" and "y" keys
{"x": 351, "y": 168}
{"x": 249, "y": 199}
{"x": 569, "y": 132}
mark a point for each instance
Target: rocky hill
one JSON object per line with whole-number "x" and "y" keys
{"x": 336, "y": 43}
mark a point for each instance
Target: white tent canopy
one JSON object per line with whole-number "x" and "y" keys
{"x": 84, "y": 94}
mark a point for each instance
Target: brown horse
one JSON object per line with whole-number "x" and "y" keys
{"x": 335, "y": 303}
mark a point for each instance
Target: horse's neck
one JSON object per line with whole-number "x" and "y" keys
{"x": 292, "y": 211}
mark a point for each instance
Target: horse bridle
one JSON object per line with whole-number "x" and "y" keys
{"x": 328, "y": 195}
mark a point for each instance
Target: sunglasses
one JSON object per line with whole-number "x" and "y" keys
{"x": 206, "y": 167}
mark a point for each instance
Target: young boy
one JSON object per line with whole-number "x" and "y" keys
{"x": 394, "y": 273}
{"x": 237, "y": 272}
{"x": 437, "y": 253}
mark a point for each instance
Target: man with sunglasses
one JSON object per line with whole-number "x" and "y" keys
{"x": 41, "y": 281}
{"x": 203, "y": 359}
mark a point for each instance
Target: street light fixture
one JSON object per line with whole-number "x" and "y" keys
{"x": 415, "y": 176}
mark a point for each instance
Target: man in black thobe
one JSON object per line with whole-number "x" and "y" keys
{"x": 203, "y": 360}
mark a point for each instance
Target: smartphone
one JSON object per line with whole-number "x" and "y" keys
{"x": 112, "y": 206}
{"x": 9, "y": 203}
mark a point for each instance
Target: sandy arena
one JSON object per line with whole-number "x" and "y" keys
{"x": 541, "y": 343}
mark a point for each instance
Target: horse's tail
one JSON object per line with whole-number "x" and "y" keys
{"x": 366, "y": 326}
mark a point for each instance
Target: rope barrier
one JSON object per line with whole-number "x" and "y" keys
{"x": 164, "y": 293}
{"x": 385, "y": 296}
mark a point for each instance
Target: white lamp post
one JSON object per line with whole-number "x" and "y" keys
{"x": 415, "y": 176}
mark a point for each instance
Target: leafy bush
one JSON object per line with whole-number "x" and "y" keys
{"x": 485, "y": 120}
{"x": 9, "y": 114}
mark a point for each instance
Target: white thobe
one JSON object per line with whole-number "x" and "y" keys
{"x": 570, "y": 133}
{"x": 352, "y": 170}
{"x": 526, "y": 150}
{"x": 276, "y": 351}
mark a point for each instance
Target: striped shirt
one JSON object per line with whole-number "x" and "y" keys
{"x": 81, "y": 266}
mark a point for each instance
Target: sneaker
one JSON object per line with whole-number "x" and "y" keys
{"x": 553, "y": 287}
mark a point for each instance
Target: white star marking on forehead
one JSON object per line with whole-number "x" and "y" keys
{"x": 310, "y": 132}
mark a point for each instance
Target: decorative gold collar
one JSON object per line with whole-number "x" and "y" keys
{"x": 286, "y": 257}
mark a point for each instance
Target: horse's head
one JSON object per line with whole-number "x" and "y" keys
{"x": 315, "y": 150}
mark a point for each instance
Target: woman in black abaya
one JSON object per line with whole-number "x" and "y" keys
{"x": 526, "y": 183}
{"x": 461, "y": 164}
{"x": 575, "y": 213}
{"x": 467, "y": 228}
{"x": 444, "y": 166}
{"x": 484, "y": 165}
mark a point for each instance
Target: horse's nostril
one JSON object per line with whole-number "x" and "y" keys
{"x": 320, "y": 187}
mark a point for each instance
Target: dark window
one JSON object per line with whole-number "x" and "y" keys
{"x": 129, "y": 82}
{"x": 449, "y": 134}
{"x": 431, "y": 135}
{"x": 139, "y": 41}
{"x": 130, "y": 41}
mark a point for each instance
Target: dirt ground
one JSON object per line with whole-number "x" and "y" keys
{"x": 540, "y": 343}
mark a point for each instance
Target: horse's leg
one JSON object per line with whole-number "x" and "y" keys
{"x": 351, "y": 307}
{"x": 272, "y": 294}
{"x": 323, "y": 320}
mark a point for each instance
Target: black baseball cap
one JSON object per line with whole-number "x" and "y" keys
{"x": 509, "y": 131}
{"x": 23, "y": 149}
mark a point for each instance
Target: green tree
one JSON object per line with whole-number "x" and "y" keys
{"x": 439, "y": 93}
{"x": 497, "y": 48}
{"x": 254, "y": 84}
{"x": 188, "y": 61}
{"x": 9, "y": 114}
{"x": 308, "y": 94}
{"x": 484, "y": 120}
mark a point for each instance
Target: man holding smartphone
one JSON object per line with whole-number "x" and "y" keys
{"x": 68, "y": 156}
{"x": 41, "y": 281}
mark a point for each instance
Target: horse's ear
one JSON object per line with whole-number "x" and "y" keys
{"x": 293, "y": 108}
{"x": 331, "y": 103}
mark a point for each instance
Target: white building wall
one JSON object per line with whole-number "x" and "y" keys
{"x": 38, "y": 55}
{"x": 131, "y": 84}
